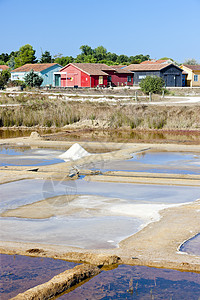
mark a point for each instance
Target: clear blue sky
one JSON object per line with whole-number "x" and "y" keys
{"x": 156, "y": 27}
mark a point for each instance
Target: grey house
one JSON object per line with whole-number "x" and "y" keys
{"x": 171, "y": 74}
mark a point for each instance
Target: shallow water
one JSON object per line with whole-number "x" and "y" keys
{"x": 100, "y": 217}
{"x": 153, "y": 162}
{"x": 19, "y": 273}
{"x": 192, "y": 246}
{"x": 15, "y": 194}
{"x": 28, "y": 157}
{"x": 138, "y": 282}
{"x": 14, "y": 133}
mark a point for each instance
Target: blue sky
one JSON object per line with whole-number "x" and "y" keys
{"x": 158, "y": 28}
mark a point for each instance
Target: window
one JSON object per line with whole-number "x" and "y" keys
{"x": 142, "y": 76}
{"x": 109, "y": 78}
{"x": 128, "y": 78}
{"x": 100, "y": 79}
{"x": 195, "y": 77}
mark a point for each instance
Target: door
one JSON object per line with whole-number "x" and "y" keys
{"x": 57, "y": 79}
{"x": 171, "y": 80}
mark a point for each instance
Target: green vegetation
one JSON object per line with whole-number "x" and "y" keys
{"x": 4, "y": 77}
{"x": 46, "y": 57}
{"x": 152, "y": 84}
{"x": 32, "y": 79}
{"x": 26, "y": 55}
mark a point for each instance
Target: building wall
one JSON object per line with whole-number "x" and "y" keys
{"x": 196, "y": 83}
{"x": 190, "y": 77}
{"x": 95, "y": 81}
{"x": 17, "y": 75}
{"x": 121, "y": 79}
{"x": 172, "y": 76}
{"x": 139, "y": 75}
{"x": 48, "y": 75}
{"x": 74, "y": 77}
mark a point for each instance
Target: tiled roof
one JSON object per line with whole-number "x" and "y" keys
{"x": 159, "y": 61}
{"x": 146, "y": 67}
{"x": 118, "y": 66}
{"x": 121, "y": 69}
{"x": 193, "y": 67}
{"x": 92, "y": 69}
{"x": 34, "y": 67}
{"x": 3, "y": 67}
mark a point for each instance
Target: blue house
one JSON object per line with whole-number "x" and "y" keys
{"x": 48, "y": 72}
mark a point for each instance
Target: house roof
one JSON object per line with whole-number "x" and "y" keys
{"x": 96, "y": 69}
{"x": 3, "y": 67}
{"x": 118, "y": 66}
{"x": 193, "y": 67}
{"x": 121, "y": 69}
{"x": 148, "y": 67}
{"x": 91, "y": 68}
{"x": 159, "y": 61}
{"x": 34, "y": 67}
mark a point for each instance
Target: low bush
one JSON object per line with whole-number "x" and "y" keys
{"x": 152, "y": 84}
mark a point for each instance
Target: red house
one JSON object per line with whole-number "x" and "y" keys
{"x": 120, "y": 76}
{"x": 84, "y": 75}
{"x": 94, "y": 75}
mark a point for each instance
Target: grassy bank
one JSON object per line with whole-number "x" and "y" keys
{"x": 39, "y": 110}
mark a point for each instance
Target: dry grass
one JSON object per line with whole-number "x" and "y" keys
{"x": 39, "y": 110}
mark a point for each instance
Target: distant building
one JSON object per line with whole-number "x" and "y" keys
{"x": 47, "y": 71}
{"x": 192, "y": 75}
{"x": 3, "y": 67}
{"x": 171, "y": 74}
{"x": 93, "y": 75}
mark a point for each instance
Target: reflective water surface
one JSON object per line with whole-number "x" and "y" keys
{"x": 20, "y": 273}
{"x": 28, "y": 157}
{"x": 138, "y": 282}
{"x": 153, "y": 162}
{"x": 100, "y": 216}
{"x": 192, "y": 246}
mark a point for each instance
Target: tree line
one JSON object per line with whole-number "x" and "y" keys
{"x": 26, "y": 54}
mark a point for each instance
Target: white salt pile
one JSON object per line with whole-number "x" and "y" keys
{"x": 74, "y": 152}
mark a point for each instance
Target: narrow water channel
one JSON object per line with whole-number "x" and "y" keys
{"x": 20, "y": 273}
{"x": 138, "y": 282}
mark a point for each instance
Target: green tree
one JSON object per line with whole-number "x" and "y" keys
{"x": 11, "y": 63}
{"x": 100, "y": 53}
{"x": 111, "y": 57}
{"x": 4, "y": 57}
{"x": 26, "y": 55}
{"x": 32, "y": 79}
{"x": 121, "y": 59}
{"x": 137, "y": 59}
{"x": 86, "y": 50}
{"x": 46, "y": 58}
{"x": 64, "y": 60}
{"x": 152, "y": 84}
{"x": 4, "y": 77}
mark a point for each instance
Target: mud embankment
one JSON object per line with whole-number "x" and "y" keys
{"x": 60, "y": 283}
